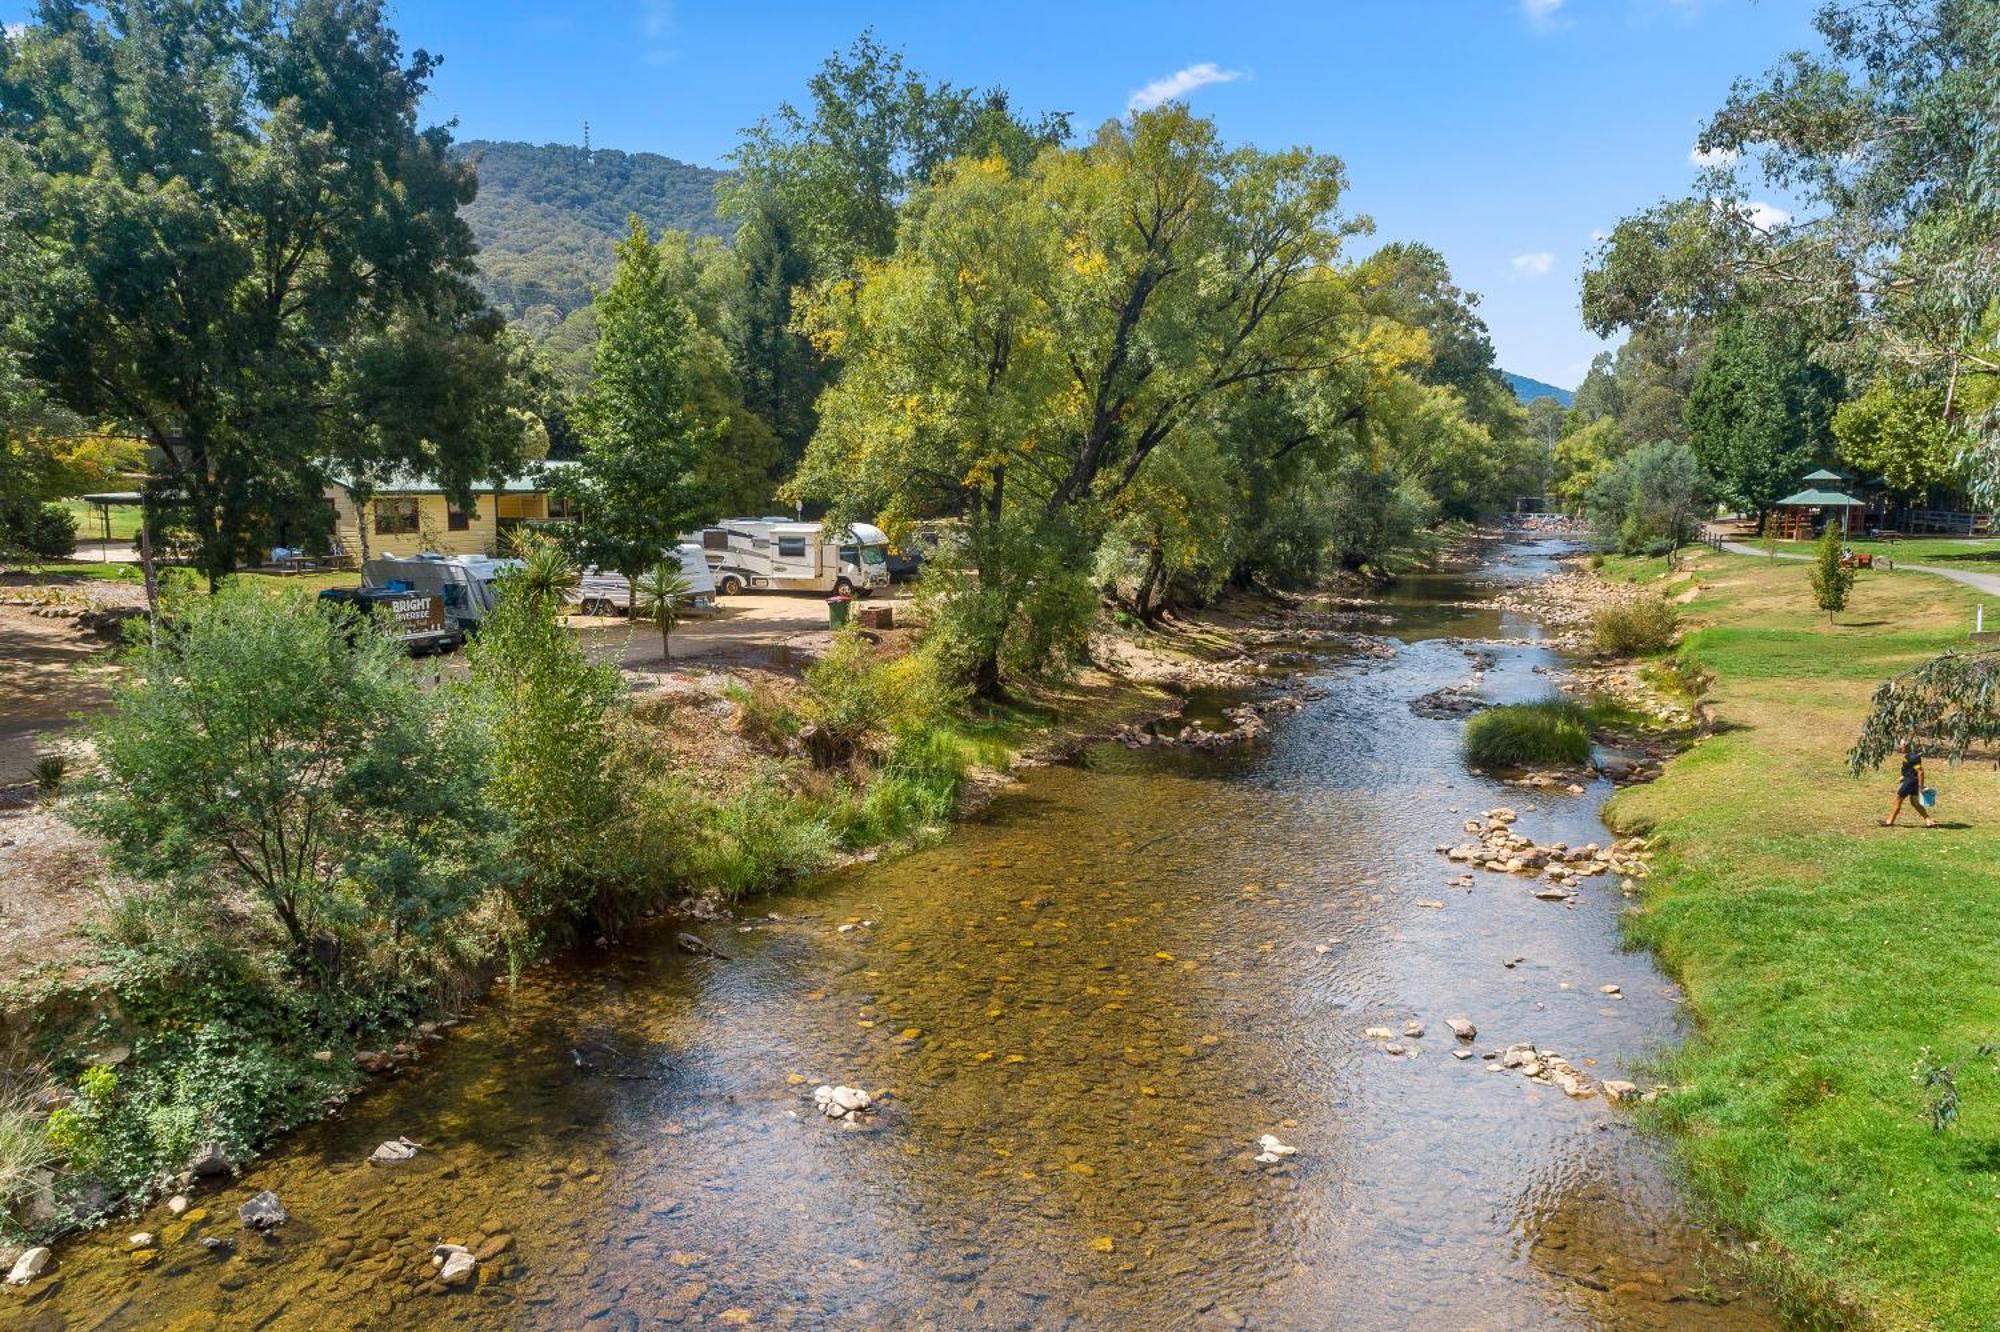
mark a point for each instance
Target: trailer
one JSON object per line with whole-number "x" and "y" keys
{"x": 782, "y": 555}
{"x": 416, "y": 619}
{"x": 466, "y": 584}
{"x": 606, "y": 592}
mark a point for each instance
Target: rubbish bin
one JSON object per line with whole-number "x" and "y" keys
{"x": 836, "y": 612}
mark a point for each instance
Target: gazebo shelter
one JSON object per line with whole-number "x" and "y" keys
{"x": 1822, "y": 477}
{"x": 104, "y": 502}
{"x": 1793, "y": 514}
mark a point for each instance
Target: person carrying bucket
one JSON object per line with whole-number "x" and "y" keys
{"x": 1911, "y": 786}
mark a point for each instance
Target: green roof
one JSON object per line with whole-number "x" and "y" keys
{"x": 1819, "y": 499}
{"x": 1823, "y": 475}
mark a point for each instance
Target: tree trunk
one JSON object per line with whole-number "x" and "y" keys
{"x": 666, "y": 641}
{"x": 1148, "y": 611}
{"x": 631, "y": 596}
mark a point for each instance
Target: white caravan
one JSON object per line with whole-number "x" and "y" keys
{"x": 780, "y": 555}
{"x": 463, "y": 582}
{"x": 605, "y": 592}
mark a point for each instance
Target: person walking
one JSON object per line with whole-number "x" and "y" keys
{"x": 1910, "y": 786}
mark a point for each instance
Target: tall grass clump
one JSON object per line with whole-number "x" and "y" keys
{"x": 1636, "y": 628}
{"x": 24, "y": 1144}
{"x": 1521, "y": 735}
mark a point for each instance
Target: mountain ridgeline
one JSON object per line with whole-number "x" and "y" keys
{"x": 1527, "y": 390}
{"x": 548, "y": 215}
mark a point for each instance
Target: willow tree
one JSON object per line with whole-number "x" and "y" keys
{"x": 1950, "y": 703}
{"x": 1039, "y": 336}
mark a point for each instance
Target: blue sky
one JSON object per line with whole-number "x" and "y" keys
{"x": 1504, "y": 132}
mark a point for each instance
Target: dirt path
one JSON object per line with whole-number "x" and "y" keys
{"x": 47, "y": 672}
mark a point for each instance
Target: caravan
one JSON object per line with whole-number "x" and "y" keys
{"x": 606, "y": 592}
{"x": 780, "y": 555}
{"x": 463, "y": 583}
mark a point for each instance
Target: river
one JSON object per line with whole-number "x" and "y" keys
{"x": 1084, "y": 1010}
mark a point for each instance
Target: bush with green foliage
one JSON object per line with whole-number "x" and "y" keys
{"x": 265, "y": 751}
{"x": 45, "y": 531}
{"x": 1649, "y": 500}
{"x": 1521, "y": 735}
{"x": 553, "y": 773}
{"x": 1639, "y": 627}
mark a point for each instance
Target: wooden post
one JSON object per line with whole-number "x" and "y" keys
{"x": 152, "y": 587}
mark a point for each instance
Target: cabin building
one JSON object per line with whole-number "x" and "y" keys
{"x": 410, "y": 514}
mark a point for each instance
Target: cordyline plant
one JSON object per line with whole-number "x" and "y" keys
{"x": 1950, "y": 702}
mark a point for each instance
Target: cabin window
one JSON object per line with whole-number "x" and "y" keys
{"x": 455, "y": 518}
{"x": 396, "y": 517}
{"x": 791, "y": 548}
{"x": 560, "y": 507}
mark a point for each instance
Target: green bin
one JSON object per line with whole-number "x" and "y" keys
{"x": 836, "y": 612}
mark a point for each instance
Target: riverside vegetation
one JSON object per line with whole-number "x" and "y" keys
{"x": 1834, "y": 969}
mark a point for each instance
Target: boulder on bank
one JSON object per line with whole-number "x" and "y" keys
{"x": 29, "y": 1265}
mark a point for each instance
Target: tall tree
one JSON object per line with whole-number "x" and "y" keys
{"x": 634, "y": 487}
{"x": 229, "y": 195}
{"x": 1761, "y": 412}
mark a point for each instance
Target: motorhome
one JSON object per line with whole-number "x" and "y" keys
{"x": 606, "y": 592}
{"x": 783, "y": 555}
{"x": 464, "y": 583}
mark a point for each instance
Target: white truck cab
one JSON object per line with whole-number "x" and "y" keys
{"x": 784, "y": 555}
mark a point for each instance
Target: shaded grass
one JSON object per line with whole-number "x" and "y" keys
{"x": 90, "y": 525}
{"x": 1821, "y": 954}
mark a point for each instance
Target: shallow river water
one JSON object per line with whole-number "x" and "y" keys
{"x": 1084, "y": 1009}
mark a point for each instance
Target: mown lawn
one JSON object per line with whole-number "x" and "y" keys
{"x": 1823, "y": 955}
{"x": 90, "y": 520}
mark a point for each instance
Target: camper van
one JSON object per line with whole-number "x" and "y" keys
{"x": 605, "y": 591}
{"x": 464, "y": 583}
{"x": 781, "y": 555}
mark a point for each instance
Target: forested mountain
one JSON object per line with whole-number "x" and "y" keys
{"x": 548, "y": 215}
{"x": 1527, "y": 390}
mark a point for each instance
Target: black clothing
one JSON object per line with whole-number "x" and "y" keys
{"x": 1908, "y": 786}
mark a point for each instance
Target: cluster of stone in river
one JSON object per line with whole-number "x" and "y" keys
{"x": 1497, "y": 847}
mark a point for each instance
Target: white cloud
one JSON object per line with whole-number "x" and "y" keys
{"x": 1717, "y": 157}
{"x": 1540, "y": 12}
{"x": 15, "y": 30}
{"x": 656, "y": 30}
{"x": 1599, "y": 234}
{"x": 1179, "y": 84}
{"x": 1534, "y": 265}
{"x": 1765, "y": 216}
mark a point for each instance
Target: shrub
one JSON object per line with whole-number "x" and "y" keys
{"x": 855, "y": 703}
{"x": 51, "y": 532}
{"x": 554, "y": 771}
{"x": 1520, "y": 735}
{"x": 51, "y": 772}
{"x": 24, "y": 1145}
{"x": 1636, "y": 628}
{"x": 261, "y": 752}
{"x": 764, "y": 716}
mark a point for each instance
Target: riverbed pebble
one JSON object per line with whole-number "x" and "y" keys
{"x": 840, "y": 1102}
{"x": 29, "y": 1265}
{"x": 1273, "y": 1150}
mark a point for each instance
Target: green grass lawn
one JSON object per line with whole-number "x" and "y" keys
{"x": 90, "y": 521}
{"x": 1822, "y": 955}
{"x": 1917, "y": 550}
{"x": 56, "y": 570}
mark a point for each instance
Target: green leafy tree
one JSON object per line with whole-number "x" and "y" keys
{"x": 634, "y": 486}
{"x": 1831, "y": 579}
{"x": 1760, "y": 413}
{"x": 1650, "y": 500}
{"x": 662, "y": 597}
{"x": 208, "y": 286}
{"x": 268, "y": 752}
{"x": 1900, "y": 433}
{"x": 1882, "y": 144}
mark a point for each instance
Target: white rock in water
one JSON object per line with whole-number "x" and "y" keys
{"x": 1461, "y": 1028}
{"x": 458, "y": 1269}
{"x": 1413, "y": 1029}
{"x": 1379, "y": 1034}
{"x": 29, "y": 1265}
{"x": 839, "y": 1102}
{"x": 141, "y": 1240}
{"x": 394, "y": 1150}
{"x": 1274, "y": 1151}
{"x": 177, "y": 1204}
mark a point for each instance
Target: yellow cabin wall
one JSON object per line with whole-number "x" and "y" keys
{"x": 480, "y": 537}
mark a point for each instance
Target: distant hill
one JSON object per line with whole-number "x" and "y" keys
{"x": 547, "y": 216}
{"x": 1527, "y": 390}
